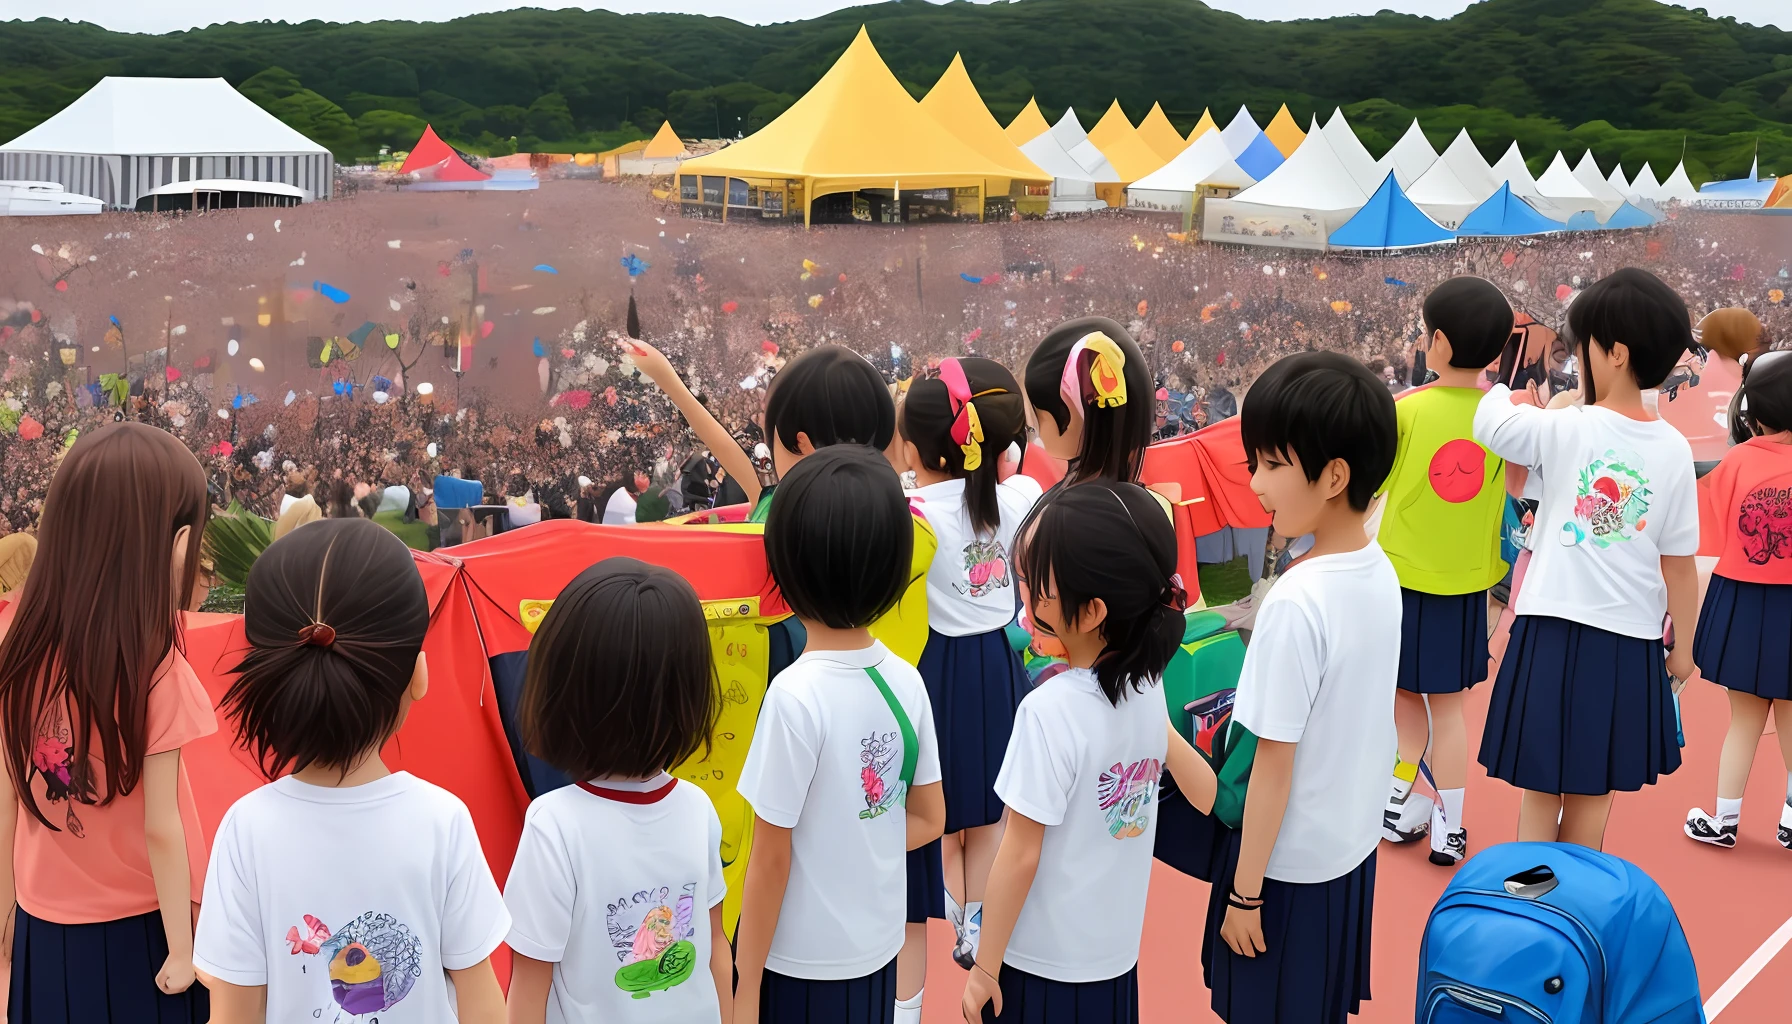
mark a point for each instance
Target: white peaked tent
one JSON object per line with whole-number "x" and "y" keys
{"x": 1070, "y": 135}
{"x": 1645, "y": 187}
{"x": 1442, "y": 195}
{"x": 1607, "y": 195}
{"x": 1241, "y": 132}
{"x": 1510, "y": 169}
{"x": 1298, "y": 206}
{"x": 1352, "y": 153}
{"x": 1173, "y": 186}
{"x": 1678, "y": 186}
{"x": 1617, "y": 182}
{"x": 1073, "y": 190}
{"x": 1409, "y": 158}
{"x": 1465, "y": 162}
{"x": 1559, "y": 185}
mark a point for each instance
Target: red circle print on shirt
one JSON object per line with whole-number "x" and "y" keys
{"x": 1458, "y": 470}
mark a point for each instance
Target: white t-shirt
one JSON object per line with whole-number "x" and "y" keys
{"x": 970, "y": 585}
{"x": 826, "y": 763}
{"x": 620, "y": 509}
{"x": 348, "y": 901}
{"x": 616, "y": 895}
{"x": 1320, "y": 673}
{"x": 1617, "y": 495}
{"x": 1089, "y": 772}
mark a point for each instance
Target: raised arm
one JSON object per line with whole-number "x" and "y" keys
{"x": 1510, "y": 428}
{"x": 655, "y": 367}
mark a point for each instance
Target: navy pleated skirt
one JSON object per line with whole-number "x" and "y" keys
{"x": 96, "y": 974}
{"x": 975, "y": 684}
{"x": 1443, "y": 641}
{"x": 867, "y": 1000}
{"x": 1030, "y": 999}
{"x": 1577, "y": 709}
{"x": 1744, "y": 640}
{"x": 1315, "y": 968}
{"x": 1187, "y": 840}
{"x": 926, "y": 884}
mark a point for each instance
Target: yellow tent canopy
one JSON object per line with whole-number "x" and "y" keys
{"x": 857, "y": 128}
{"x": 1203, "y": 126}
{"x": 666, "y": 144}
{"x": 1781, "y": 196}
{"x": 1156, "y": 131}
{"x": 1284, "y": 133}
{"x": 954, "y": 102}
{"x": 1119, "y": 141}
{"x": 1027, "y": 125}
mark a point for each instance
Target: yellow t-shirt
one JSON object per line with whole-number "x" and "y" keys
{"x": 1445, "y": 499}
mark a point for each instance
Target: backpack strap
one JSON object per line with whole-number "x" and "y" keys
{"x": 910, "y": 746}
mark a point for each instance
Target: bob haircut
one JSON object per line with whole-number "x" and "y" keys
{"x": 1474, "y": 315}
{"x": 100, "y": 608}
{"x": 1320, "y": 406}
{"x": 1110, "y": 541}
{"x": 1114, "y": 439}
{"x": 840, "y": 538}
{"x": 928, "y": 414}
{"x": 835, "y": 396}
{"x": 620, "y": 681}
{"x": 1633, "y": 307}
{"x": 1763, "y": 404}
{"x": 299, "y": 701}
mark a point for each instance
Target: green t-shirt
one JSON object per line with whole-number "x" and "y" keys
{"x": 763, "y": 507}
{"x": 1445, "y": 500}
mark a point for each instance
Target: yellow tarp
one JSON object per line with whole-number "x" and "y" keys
{"x": 1203, "y": 126}
{"x": 955, "y": 103}
{"x": 1284, "y": 133}
{"x": 1156, "y": 131}
{"x": 666, "y": 144}
{"x": 1781, "y": 196}
{"x": 1027, "y": 125}
{"x": 1119, "y": 141}
{"x": 857, "y": 128}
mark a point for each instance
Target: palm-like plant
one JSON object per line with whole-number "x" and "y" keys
{"x": 234, "y": 539}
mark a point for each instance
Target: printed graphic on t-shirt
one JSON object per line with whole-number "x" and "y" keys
{"x": 1128, "y": 793}
{"x": 372, "y": 962}
{"x": 1458, "y": 470}
{"x": 1611, "y": 501}
{"x": 880, "y": 755}
{"x": 985, "y": 568}
{"x": 1764, "y": 524}
{"x": 652, "y": 934}
{"x": 1212, "y": 713}
{"x": 64, "y": 782}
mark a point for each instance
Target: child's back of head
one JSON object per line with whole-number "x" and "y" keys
{"x": 1763, "y": 404}
{"x": 1475, "y": 319}
{"x": 1636, "y": 309}
{"x": 840, "y": 538}
{"x": 1090, "y": 372}
{"x": 833, "y": 396}
{"x": 961, "y": 423}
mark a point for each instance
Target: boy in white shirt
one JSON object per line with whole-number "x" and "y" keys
{"x": 1288, "y": 922}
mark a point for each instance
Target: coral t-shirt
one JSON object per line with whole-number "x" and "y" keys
{"x": 1745, "y": 513}
{"x": 96, "y": 868}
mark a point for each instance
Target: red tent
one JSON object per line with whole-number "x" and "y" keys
{"x": 434, "y": 160}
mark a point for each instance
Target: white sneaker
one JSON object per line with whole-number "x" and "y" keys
{"x": 1708, "y": 829}
{"x": 965, "y": 953}
{"x": 1408, "y": 820}
{"x": 1448, "y": 845}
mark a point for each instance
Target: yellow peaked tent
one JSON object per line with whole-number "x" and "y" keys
{"x": 1203, "y": 126}
{"x": 858, "y": 128}
{"x": 1156, "y": 131}
{"x": 955, "y": 103}
{"x": 1119, "y": 141}
{"x": 666, "y": 144}
{"x": 1284, "y": 133}
{"x": 1027, "y": 125}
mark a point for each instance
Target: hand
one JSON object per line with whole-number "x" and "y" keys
{"x": 979, "y": 989}
{"x": 1243, "y": 931}
{"x": 176, "y": 975}
{"x": 1680, "y": 666}
{"x": 649, "y": 360}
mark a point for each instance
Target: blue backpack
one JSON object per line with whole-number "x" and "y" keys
{"x": 1553, "y": 933}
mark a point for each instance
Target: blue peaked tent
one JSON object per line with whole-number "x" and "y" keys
{"x": 1628, "y": 216}
{"x": 1389, "y": 220}
{"x": 1504, "y": 215}
{"x": 1583, "y": 220}
{"x": 1260, "y": 157}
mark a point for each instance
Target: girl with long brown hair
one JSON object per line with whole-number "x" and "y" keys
{"x": 104, "y": 856}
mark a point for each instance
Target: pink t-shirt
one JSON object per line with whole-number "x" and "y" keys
{"x": 1745, "y": 513}
{"x": 97, "y": 867}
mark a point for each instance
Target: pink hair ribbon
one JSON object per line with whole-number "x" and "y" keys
{"x": 1094, "y": 373}
{"x": 967, "y": 428}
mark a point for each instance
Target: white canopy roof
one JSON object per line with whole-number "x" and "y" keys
{"x": 272, "y": 188}
{"x": 1353, "y": 154}
{"x": 1442, "y": 195}
{"x": 1312, "y": 178}
{"x": 1205, "y": 161}
{"x": 1069, "y": 131}
{"x": 1070, "y": 135}
{"x": 1241, "y": 132}
{"x": 1645, "y": 185}
{"x": 1616, "y": 179}
{"x": 1603, "y": 192}
{"x": 1511, "y": 169}
{"x": 1052, "y": 158}
{"x": 163, "y": 117}
{"x": 1469, "y": 167}
{"x": 1558, "y": 182}
{"x": 1678, "y": 186}
{"x": 1409, "y": 158}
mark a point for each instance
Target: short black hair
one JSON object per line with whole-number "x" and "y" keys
{"x": 1114, "y": 438}
{"x": 1633, "y": 307}
{"x": 1474, "y": 315}
{"x": 840, "y": 538}
{"x": 620, "y": 680}
{"x": 927, "y": 418}
{"x": 835, "y": 396}
{"x": 1763, "y": 404}
{"x": 1320, "y": 406}
{"x": 301, "y": 702}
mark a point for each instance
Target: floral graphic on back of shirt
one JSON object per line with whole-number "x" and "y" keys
{"x": 66, "y": 782}
{"x": 1128, "y": 793}
{"x": 653, "y": 937}
{"x": 372, "y": 962}
{"x": 1611, "y": 501}
{"x": 880, "y": 762}
{"x": 1764, "y": 524}
{"x": 985, "y": 568}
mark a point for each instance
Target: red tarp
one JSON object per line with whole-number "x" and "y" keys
{"x": 1205, "y": 476}
{"x": 434, "y": 160}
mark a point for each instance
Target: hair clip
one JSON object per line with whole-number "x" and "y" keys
{"x": 967, "y": 427}
{"x": 1094, "y": 373}
{"x": 317, "y": 635}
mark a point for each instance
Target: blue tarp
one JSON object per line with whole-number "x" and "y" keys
{"x": 1583, "y": 220}
{"x": 1389, "y": 220}
{"x": 1504, "y": 215}
{"x": 1260, "y": 157}
{"x": 1628, "y": 216}
{"x": 453, "y": 492}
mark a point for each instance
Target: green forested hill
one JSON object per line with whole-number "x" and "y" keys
{"x": 1632, "y": 79}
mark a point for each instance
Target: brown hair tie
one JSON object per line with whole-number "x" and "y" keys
{"x": 317, "y": 635}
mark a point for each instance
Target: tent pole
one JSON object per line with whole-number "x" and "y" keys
{"x": 982, "y": 185}
{"x": 808, "y": 198}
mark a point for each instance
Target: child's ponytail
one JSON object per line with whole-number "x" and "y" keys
{"x": 1090, "y": 370}
{"x": 1762, "y": 403}
{"x": 961, "y": 423}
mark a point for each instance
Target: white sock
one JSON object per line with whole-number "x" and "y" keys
{"x": 1729, "y": 812}
{"x": 973, "y": 925}
{"x": 954, "y": 913}
{"x": 1452, "y": 801}
{"x": 1786, "y": 815}
{"x": 1789, "y": 788}
{"x": 908, "y": 1011}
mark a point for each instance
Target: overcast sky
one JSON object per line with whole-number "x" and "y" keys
{"x": 173, "y": 15}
